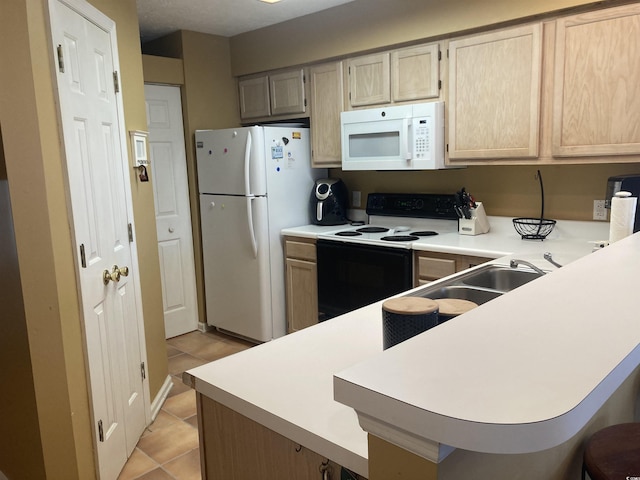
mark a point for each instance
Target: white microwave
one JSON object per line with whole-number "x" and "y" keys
{"x": 399, "y": 137}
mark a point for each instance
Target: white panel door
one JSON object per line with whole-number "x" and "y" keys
{"x": 173, "y": 213}
{"x": 100, "y": 202}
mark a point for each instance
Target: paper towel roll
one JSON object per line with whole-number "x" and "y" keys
{"x": 623, "y": 214}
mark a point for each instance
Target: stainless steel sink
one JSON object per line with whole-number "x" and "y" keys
{"x": 480, "y": 285}
{"x": 476, "y": 295}
{"x": 500, "y": 278}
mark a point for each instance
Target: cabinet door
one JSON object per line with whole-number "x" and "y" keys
{"x": 254, "y": 97}
{"x": 494, "y": 94}
{"x": 369, "y": 80}
{"x": 597, "y": 83}
{"x": 325, "y": 83}
{"x": 287, "y": 92}
{"x": 415, "y": 73}
{"x": 302, "y": 294}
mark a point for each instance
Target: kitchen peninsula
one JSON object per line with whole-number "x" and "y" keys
{"x": 512, "y": 386}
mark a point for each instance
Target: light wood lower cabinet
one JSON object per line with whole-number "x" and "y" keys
{"x": 430, "y": 266}
{"x": 233, "y": 446}
{"x": 301, "y": 283}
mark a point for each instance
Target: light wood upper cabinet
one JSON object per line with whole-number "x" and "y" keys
{"x": 596, "y": 107}
{"x": 287, "y": 92}
{"x": 415, "y": 73}
{"x": 254, "y": 97}
{"x": 494, "y": 94}
{"x": 274, "y": 94}
{"x": 327, "y": 100}
{"x": 409, "y": 74}
{"x": 369, "y": 80}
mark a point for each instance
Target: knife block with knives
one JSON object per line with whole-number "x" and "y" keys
{"x": 477, "y": 224}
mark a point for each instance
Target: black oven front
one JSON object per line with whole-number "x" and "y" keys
{"x": 352, "y": 275}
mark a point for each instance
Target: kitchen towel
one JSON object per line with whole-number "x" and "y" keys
{"x": 623, "y": 214}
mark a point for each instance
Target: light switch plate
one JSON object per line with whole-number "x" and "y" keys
{"x": 599, "y": 212}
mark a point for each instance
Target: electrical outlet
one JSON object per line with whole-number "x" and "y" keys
{"x": 599, "y": 212}
{"x": 356, "y": 198}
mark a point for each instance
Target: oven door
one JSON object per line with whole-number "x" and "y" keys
{"x": 352, "y": 275}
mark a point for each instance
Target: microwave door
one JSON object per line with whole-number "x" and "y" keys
{"x": 387, "y": 140}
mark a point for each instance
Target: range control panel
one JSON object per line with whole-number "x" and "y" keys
{"x": 419, "y": 205}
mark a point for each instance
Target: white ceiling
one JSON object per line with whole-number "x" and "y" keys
{"x": 220, "y": 17}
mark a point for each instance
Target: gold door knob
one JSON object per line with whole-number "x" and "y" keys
{"x": 114, "y": 274}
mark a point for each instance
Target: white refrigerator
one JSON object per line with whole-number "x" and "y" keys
{"x": 253, "y": 182}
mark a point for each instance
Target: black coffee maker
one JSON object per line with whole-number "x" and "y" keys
{"x": 328, "y": 202}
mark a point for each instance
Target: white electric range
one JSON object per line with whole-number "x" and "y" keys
{"x": 361, "y": 264}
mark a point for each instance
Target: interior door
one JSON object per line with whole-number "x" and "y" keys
{"x": 173, "y": 213}
{"x": 86, "y": 59}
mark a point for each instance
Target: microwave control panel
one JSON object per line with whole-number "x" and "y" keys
{"x": 421, "y": 137}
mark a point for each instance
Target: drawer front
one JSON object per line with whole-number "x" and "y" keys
{"x": 435, "y": 268}
{"x": 301, "y": 250}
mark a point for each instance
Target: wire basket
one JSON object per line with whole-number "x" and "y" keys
{"x": 533, "y": 228}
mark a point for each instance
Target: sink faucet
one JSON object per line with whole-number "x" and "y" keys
{"x": 547, "y": 257}
{"x": 514, "y": 264}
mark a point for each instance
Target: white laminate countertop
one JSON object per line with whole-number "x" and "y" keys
{"x": 575, "y": 238}
{"x": 522, "y": 373}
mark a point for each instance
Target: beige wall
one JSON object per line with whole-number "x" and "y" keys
{"x": 20, "y": 452}
{"x": 36, "y": 180}
{"x": 209, "y": 101}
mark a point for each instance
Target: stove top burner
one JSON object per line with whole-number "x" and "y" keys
{"x": 400, "y": 238}
{"x": 372, "y": 229}
{"x": 348, "y": 233}
{"x": 424, "y": 233}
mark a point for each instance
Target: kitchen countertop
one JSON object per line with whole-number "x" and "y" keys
{"x": 522, "y": 373}
{"x": 574, "y": 238}
{"x": 287, "y": 384}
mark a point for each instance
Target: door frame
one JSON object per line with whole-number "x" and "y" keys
{"x": 93, "y": 15}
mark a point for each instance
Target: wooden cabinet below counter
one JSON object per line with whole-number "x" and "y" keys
{"x": 235, "y": 447}
{"x": 301, "y": 279}
{"x": 430, "y": 266}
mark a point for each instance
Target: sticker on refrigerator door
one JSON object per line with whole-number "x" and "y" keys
{"x": 296, "y": 135}
{"x": 277, "y": 152}
{"x": 291, "y": 162}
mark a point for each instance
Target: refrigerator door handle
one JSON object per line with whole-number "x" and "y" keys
{"x": 247, "y": 164}
{"x": 252, "y": 232}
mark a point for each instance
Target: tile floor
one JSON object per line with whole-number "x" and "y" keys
{"x": 168, "y": 449}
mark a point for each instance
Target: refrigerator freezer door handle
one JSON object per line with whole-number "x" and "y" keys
{"x": 252, "y": 232}
{"x": 247, "y": 164}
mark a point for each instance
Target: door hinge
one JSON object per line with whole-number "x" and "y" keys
{"x": 439, "y": 84}
{"x": 304, "y": 78}
{"x": 60, "y": 59}
{"x": 100, "y": 431}
{"x": 116, "y": 82}
{"x": 83, "y": 258}
{"x": 130, "y": 231}
{"x": 143, "y": 372}
{"x": 305, "y": 102}
{"x": 439, "y": 55}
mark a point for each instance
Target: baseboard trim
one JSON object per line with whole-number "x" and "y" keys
{"x": 204, "y": 327}
{"x": 157, "y": 403}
